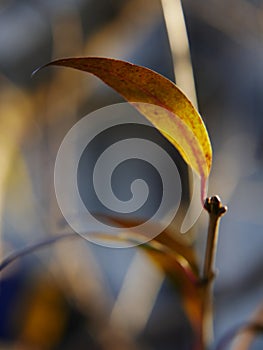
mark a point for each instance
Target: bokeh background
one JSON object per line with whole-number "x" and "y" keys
{"x": 82, "y": 296}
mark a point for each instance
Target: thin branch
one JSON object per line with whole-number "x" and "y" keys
{"x": 33, "y": 248}
{"x": 216, "y": 210}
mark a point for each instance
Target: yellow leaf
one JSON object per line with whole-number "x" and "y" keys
{"x": 160, "y": 101}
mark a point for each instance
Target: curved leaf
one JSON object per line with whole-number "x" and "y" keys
{"x": 242, "y": 336}
{"x": 169, "y": 240}
{"x": 160, "y": 101}
{"x": 177, "y": 268}
{"x": 177, "y": 261}
{"x": 249, "y": 331}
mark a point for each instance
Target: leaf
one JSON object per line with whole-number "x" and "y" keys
{"x": 160, "y": 101}
{"x": 180, "y": 272}
{"x": 176, "y": 267}
{"x": 242, "y": 336}
{"x": 177, "y": 261}
{"x": 166, "y": 238}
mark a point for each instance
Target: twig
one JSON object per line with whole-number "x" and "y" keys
{"x": 33, "y": 248}
{"x": 216, "y": 210}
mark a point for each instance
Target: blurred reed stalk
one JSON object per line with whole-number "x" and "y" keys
{"x": 183, "y": 71}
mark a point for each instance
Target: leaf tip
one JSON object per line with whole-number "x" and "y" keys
{"x": 41, "y": 67}
{"x": 37, "y": 70}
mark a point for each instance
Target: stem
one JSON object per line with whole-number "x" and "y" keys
{"x": 216, "y": 210}
{"x": 179, "y": 45}
{"x": 34, "y": 247}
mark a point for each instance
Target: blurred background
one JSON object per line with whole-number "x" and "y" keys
{"x": 80, "y": 295}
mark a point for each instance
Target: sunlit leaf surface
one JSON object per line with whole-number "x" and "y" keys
{"x": 160, "y": 101}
